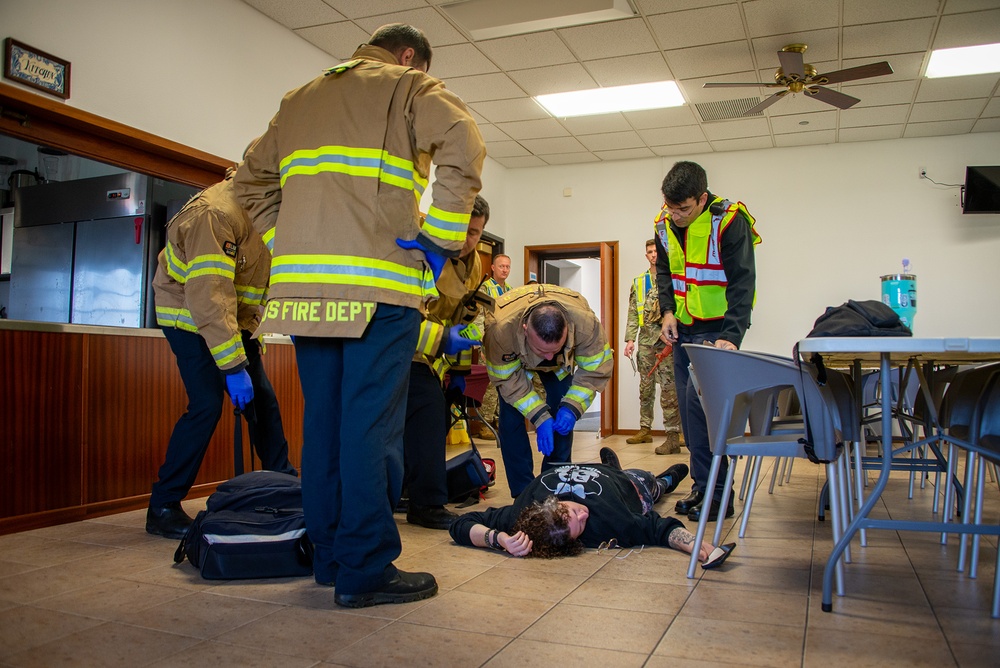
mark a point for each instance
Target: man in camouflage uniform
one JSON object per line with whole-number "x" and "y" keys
{"x": 644, "y": 327}
{"x": 494, "y": 286}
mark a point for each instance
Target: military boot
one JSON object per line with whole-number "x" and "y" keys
{"x": 671, "y": 444}
{"x": 642, "y": 437}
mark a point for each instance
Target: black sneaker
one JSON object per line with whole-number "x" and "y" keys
{"x": 610, "y": 458}
{"x": 404, "y": 588}
{"x": 672, "y": 477}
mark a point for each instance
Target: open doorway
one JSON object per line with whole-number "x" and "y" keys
{"x": 592, "y": 270}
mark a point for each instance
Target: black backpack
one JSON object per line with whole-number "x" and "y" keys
{"x": 253, "y": 527}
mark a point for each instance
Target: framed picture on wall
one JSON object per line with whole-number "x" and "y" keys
{"x": 37, "y": 69}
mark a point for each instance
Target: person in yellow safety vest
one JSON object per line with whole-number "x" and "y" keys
{"x": 447, "y": 334}
{"x": 495, "y": 286}
{"x": 334, "y": 186}
{"x": 706, "y": 275}
{"x": 210, "y": 282}
{"x": 642, "y": 337}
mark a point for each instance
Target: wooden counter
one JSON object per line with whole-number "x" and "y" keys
{"x": 86, "y": 413}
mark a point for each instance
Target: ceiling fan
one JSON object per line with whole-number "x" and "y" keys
{"x": 797, "y": 76}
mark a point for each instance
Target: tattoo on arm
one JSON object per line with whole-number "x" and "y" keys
{"x": 680, "y": 538}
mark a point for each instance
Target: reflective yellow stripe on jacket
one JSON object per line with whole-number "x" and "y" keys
{"x": 351, "y": 270}
{"x": 202, "y": 265}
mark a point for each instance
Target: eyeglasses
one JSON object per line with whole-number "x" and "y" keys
{"x": 612, "y": 544}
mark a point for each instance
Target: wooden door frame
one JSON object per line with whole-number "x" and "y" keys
{"x": 608, "y": 253}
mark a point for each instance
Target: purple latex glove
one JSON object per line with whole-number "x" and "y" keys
{"x": 543, "y": 433}
{"x": 565, "y": 421}
{"x": 240, "y": 388}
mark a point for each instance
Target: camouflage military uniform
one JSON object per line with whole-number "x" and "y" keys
{"x": 490, "y": 403}
{"x": 647, "y": 339}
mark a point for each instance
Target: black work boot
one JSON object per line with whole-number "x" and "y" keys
{"x": 168, "y": 520}
{"x": 403, "y": 588}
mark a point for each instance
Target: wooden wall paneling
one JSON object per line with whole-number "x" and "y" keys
{"x": 41, "y": 408}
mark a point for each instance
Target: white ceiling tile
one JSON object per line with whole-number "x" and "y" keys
{"x": 592, "y": 125}
{"x": 946, "y": 111}
{"x": 521, "y": 109}
{"x": 610, "y": 39}
{"x": 938, "y": 128}
{"x": 661, "y": 118}
{"x": 492, "y": 133}
{"x": 697, "y": 27}
{"x": 866, "y": 11}
{"x": 434, "y": 26}
{"x": 750, "y": 127}
{"x": 711, "y": 60}
{"x": 806, "y": 138}
{"x": 523, "y": 51}
{"x": 778, "y": 17}
{"x": 460, "y": 60}
{"x": 747, "y": 144}
{"x": 650, "y": 7}
{"x": 870, "y": 133}
{"x": 992, "y": 108}
{"x": 526, "y": 161}
{"x": 553, "y": 145}
{"x": 957, "y": 6}
{"x": 889, "y": 115}
{"x": 355, "y": 8}
{"x": 957, "y": 88}
{"x": 297, "y": 14}
{"x": 568, "y": 158}
{"x": 480, "y": 120}
{"x": 819, "y": 120}
{"x": 968, "y": 29}
{"x": 686, "y": 134}
{"x": 505, "y": 149}
{"x": 625, "y": 154}
{"x": 554, "y": 79}
{"x": 338, "y": 39}
{"x": 628, "y": 70}
{"x": 905, "y": 66}
{"x": 683, "y": 149}
{"x": 896, "y": 37}
{"x": 881, "y": 94}
{"x": 485, "y": 87}
{"x": 547, "y": 127}
{"x": 987, "y": 125}
{"x": 823, "y": 45}
{"x": 612, "y": 141}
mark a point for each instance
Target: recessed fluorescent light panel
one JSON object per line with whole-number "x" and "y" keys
{"x": 488, "y": 19}
{"x": 654, "y": 95}
{"x": 964, "y": 60}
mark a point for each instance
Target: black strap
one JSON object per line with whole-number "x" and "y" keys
{"x": 238, "y": 442}
{"x": 806, "y": 443}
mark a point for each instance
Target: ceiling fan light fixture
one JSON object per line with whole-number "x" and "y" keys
{"x": 964, "y": 60}
{"x": 655, "y": 95}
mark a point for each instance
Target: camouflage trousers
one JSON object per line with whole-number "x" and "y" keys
{"x": 490, "y": 403}
{"x": 664, "y": 377}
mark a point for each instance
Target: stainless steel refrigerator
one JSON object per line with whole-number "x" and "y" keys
{"x": 84, "y": 251}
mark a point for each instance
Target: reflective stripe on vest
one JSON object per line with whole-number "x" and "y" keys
{"x": 642, "y": 285}
{"x": 352, "y": 270}
{"x": 368, "y": 162}
{"x": 180, "y": 318}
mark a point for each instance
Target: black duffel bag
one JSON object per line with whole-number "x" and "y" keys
{"x": 253, "y": 527}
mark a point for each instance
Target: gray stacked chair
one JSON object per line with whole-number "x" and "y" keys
{"x": 988, "y": 435}
{"x": 729, "y": 382}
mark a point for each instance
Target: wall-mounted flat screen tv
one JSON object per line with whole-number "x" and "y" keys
{"x": 982, "y": 190}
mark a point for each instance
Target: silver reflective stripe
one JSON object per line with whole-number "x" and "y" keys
{"x": 212, "y": 538}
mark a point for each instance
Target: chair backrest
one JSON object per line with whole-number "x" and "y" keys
{"x": 730, "y": 380}
{"x": 987, "y": 431}
{"x": 960, "y": 402}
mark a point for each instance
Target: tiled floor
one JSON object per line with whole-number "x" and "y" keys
{"x": 104, "y": 593}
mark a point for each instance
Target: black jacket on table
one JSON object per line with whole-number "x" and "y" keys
{"x": 609, "y": 495}
{"x": 737, "y": 255}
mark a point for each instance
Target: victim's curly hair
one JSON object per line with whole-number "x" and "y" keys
{"x": 546, "y": 523}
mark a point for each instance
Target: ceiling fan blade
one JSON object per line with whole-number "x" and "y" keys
{"x": 765, "y": 103}
{"x": 793, "y": 64}
{"x": 854, "y": 73}
{"x": 838, "y": 100}
{"x": 742, "y": 85}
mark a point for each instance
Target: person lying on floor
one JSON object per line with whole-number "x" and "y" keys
{"x": 575, "y": 506}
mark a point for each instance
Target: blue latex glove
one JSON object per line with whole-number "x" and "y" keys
{"x": 240, "y": 388}
{"x": 565, "y": 421}
{"x": 543, "y": 434}
{"x": 435, "y": 260}
{"x": 455, "y": 342}
{"x": 456, "y": 384}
